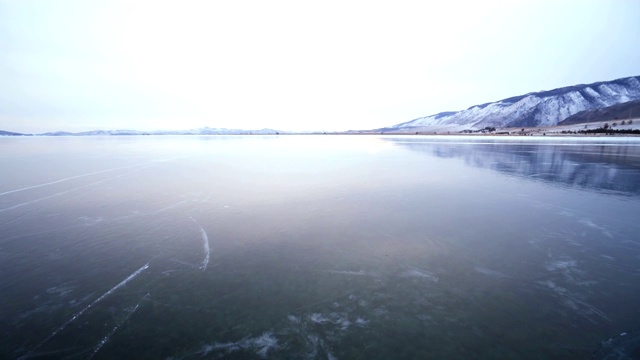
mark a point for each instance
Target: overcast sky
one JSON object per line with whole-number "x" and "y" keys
{"x": 295, "y": 65}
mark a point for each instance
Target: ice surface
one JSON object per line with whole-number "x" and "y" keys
{"x": 96, "y": 301}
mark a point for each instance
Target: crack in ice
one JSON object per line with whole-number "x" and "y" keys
{"x": 79, "y": 313}
{"x": 205, "y": 245}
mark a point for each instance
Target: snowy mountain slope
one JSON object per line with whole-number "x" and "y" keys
{"x": 544, "y": 108}
{"x": 625, "y": 111}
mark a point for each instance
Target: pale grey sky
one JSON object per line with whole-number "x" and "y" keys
{"x": 295, "y": 65}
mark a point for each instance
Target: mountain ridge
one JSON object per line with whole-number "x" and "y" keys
{"x": 11, "y": 133}
{"x": 540, "y": 108}
{"x": 200, "y": 131}
{"x": 535, "y": 109}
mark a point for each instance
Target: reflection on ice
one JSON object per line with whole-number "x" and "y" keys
{"x": 610, "y": 164}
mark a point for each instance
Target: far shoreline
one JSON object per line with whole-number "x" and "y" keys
{"x": 609, "y": 129}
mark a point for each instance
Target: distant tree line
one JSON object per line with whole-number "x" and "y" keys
{"x": 609, "y": 131}
{"x": 486, "y": 129}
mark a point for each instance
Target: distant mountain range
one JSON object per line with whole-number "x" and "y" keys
{"x": 9, "y": 133}
{"x": 543, "y": 108}
{"x": 201, "y": 131}
{"x": 602, "y": 101}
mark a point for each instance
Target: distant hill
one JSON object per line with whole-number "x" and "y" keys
{"x": 93, "y": 133}
{"x": 543, "y": 108}
{"x": 624, "y": 111}
{"x": 9, "y": 133}
{"x": 200, "y": 131}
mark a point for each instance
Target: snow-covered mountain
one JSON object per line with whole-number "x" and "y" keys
{"x": 544, "y": 108}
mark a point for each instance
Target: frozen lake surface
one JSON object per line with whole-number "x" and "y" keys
{"x": 319, "y": 247}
